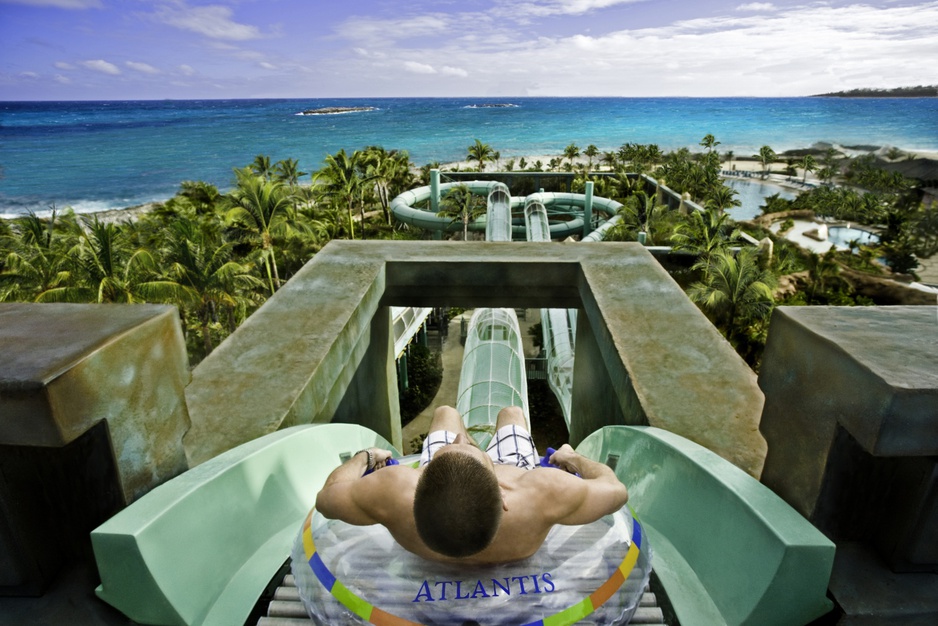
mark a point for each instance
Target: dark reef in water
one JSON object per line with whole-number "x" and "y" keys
{"x": 335, "y": 110}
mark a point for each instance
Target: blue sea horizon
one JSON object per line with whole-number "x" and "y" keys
{"x": 102, "y": 155}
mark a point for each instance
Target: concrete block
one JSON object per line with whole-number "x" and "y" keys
{"x": 92, "y": 415}
{"x": 851, "y": 419}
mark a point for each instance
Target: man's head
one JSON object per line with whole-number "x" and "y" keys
{"x": 458, "y": 502}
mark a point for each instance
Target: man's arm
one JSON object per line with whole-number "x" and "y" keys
{"x": 596, "y": 493}
{"x": 348, "y": 494}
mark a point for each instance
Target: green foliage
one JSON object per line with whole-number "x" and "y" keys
{"x": 766, "y": 157}
{"x": 217, "y": 257}
{"x": 463, "y": 207}
{"x": 424, "y": 375}
{"x": 736, "y": 294}
{"x": 537, "y": 335}
{"x": 481, "y": 153}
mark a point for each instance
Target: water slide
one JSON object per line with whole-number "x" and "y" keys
{"x": 200, "y": 549}
{"x": 493, "y": 370}
{"x": 420, "y": 207}
{"x": 406, "y": 322}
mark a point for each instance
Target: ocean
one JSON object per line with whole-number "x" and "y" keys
{"x": 96, "y": 156}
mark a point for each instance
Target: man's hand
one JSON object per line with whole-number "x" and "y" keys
{"x": 380, "y": 456}
{"x": 566, "y": 459}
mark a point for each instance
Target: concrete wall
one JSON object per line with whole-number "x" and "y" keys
{"x": 295, "y": 360}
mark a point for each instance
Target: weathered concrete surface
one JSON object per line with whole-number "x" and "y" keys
{"x": 294, "y": 360}
{"x": 851, "y": 418}
{"x": 66, "y": 367}
{"x": 92, "y": 415}
{"x": 874, "y": 370}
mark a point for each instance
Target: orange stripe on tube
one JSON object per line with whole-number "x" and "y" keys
{"x": 607, "y": 589}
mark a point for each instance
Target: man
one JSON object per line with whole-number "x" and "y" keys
{"x": 466, "y": 505}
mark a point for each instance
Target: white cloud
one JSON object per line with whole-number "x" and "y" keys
{"x": 446, "y": 70}
{"x": 59, "y": 4}
{"x": 100, "y": 65}
{"x": 369, "y": 30}
{"x": 268, "y": 66}
{"x": 62, "y": 65}
{"x": 64, "y": 80}
{"x": 419, "y": 68}
{"x": 541, "y": 8}
{"x": 213, "y": 21}
{"x": 756, "y": 6}
{"x": 786, "y": 52}
{"x": 29, "y": 75}
{"x": 186, "y": 70}
{"x": 144, "y": 68}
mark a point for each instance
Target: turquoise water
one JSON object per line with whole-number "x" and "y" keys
{"x": 843, "y": 235}
{"x": 103, "y": 155}
{"x": 752, "y": 195}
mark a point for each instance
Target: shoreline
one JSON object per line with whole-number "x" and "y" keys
{"x": 744, "y": 164}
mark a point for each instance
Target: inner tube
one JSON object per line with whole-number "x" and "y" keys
{"x": 590, "y": 574}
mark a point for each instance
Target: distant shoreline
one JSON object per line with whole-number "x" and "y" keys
{"x": 930, "y": 91}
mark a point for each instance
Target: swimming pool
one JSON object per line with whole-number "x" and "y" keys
{"x": 843, "y": 235}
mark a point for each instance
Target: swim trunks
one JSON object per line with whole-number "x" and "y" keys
{"x": 511, "y": 445}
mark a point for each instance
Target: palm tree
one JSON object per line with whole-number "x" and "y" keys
{"x": 386, "y": 170}
{"x": 106, "y": 269}
{"x": 733, "y": 290}
{"x": 767, "y": 156}
{"x": 571, "y": 152}
{"x": 462, "y": 206}
{"x": 703, "y": 233}
{"x": 610, "y": 160}
{"x": 721, "y": 198}
{"x": 590, "y": 152}
{"x": 823, "y": 274}
{"x": 264, "y": 210}
{"x": 709, "y": 142}
{"x": 288, "y": 172}
{"x": 808, "y": 164}
{"x": 38, "y": 257}
{"x": 210, "y": 282}
{"x": 261, "y": 166}
{"x": 339, "y": 181}
{"x": 522, "y": 163}
{"x": 480, "y": 152}
{"x": 641, "y": 212}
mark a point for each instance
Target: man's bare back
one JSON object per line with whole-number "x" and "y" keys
{"x": 533, "y": 500}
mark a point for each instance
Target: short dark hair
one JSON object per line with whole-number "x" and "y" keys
{"x": 457, "y": 505}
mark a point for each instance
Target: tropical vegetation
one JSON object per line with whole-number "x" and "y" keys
{"x": 218, "y": 256}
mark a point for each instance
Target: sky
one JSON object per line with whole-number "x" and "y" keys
{"x": 191, "y": 49}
